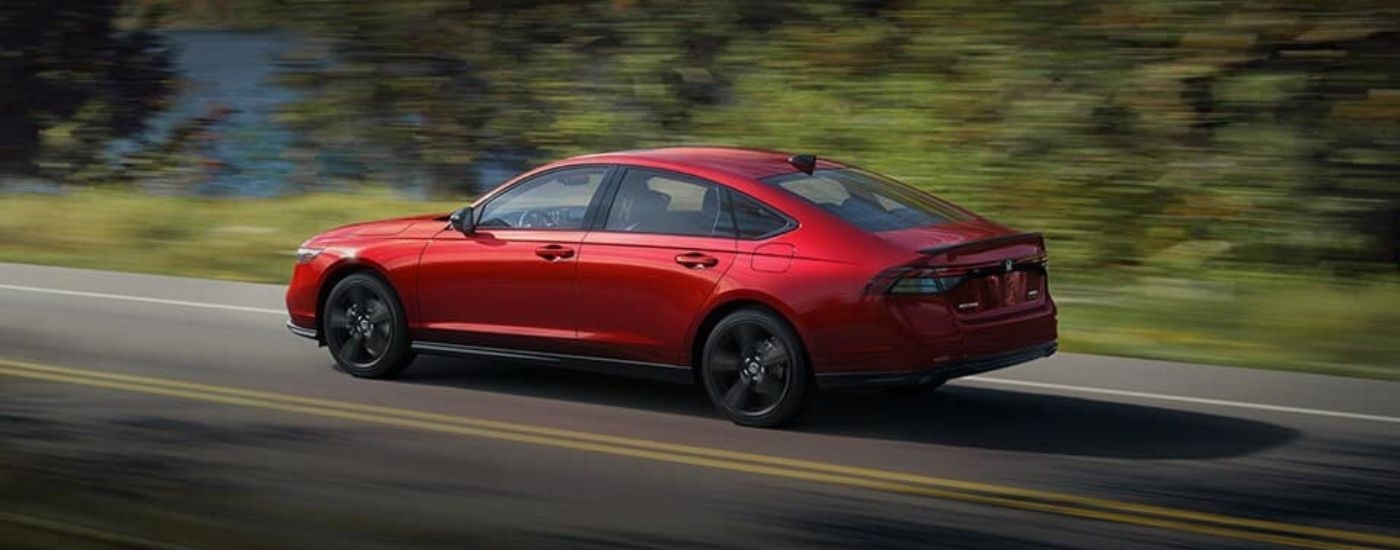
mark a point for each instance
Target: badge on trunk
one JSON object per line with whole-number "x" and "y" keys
{"x": 1007, "y": 265}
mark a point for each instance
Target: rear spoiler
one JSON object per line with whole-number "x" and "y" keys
{"x": 952, "y": 251}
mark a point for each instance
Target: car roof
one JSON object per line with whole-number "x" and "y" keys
{"x": 737, "y": 161}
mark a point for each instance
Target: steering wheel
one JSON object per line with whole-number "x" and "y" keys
{"x": 535, "y": 218}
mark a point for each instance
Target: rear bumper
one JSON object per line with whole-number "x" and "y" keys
{"x": 939, "y": 373}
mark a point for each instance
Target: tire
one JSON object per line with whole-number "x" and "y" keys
{"x": 755, "y": 370}
{"x": 365, "y": 328}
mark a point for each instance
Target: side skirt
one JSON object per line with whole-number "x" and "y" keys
{"x": 634, "y": 369}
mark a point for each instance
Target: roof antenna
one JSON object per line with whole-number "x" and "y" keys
{"x": 805, "y": 163}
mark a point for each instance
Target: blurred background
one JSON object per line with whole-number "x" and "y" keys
{"x": 1217, "y": 180}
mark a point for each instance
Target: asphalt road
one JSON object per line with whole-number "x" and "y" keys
{"x": 141, "y": 411}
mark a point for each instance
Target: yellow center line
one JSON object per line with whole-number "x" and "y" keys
{"x": 994, "y": 495}
{"x": 82, "y": 531}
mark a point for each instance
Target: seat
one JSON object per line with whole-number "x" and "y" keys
{"x": 642, "y": 210}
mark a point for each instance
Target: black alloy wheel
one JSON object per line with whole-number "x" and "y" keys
{"x": 365, "y": 328}
{"x": 755, "y": 371}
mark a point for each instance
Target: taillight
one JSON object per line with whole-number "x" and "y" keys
{"x": 938, "y": 280}
{"x": 924, "y": 281}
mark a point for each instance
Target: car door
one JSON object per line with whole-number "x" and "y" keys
{"x": 655, "y": 256}
{"x": 510, "y": 284}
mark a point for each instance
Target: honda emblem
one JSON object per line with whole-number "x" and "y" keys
{"x": 1007, "y": 265}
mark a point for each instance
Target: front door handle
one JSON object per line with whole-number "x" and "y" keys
{"x": 697, "y": 260}
{"x": 554, "y": 252}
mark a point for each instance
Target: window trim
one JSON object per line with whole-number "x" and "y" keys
{"x": 600, "y": 222}
{"x": 788, "y": 225}
{"x": 610, "y": 171}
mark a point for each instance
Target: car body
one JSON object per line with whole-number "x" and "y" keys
{"x": 627, "y": 262}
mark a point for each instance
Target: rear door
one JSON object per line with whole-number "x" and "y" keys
{"x": 650, "y": 264}
{"x": 511, "y": 283}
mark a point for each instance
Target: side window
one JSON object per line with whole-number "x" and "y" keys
{"x": 556, "y": 200}
{"x": 656, "y": 202}
{"x": 755, "y": 220}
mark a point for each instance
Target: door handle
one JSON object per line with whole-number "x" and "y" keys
{"x": 697, "y": 260}
{"x": 553, "y": 252}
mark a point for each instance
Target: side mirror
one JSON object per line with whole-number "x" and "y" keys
{"x": 462, "y": 220}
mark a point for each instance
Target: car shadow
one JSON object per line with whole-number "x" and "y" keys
{"x": 955, "y": 415}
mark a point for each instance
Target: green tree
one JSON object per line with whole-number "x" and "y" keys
{"x": 72, "y": 81}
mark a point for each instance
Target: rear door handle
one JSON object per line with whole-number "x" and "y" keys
{"x": 697, "y": 260}
{"x": 553, "y": 252}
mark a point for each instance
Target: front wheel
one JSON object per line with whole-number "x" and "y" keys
{"x": 755, "y": 371}
{"x": 365, "y": 328}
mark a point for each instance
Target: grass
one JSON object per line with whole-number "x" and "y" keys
{"x": 233, "y": 239}
{"x": 1291, "y": 323}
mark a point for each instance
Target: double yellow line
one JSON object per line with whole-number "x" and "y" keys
{"x": 849, "y": 476}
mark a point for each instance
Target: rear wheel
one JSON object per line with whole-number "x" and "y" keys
{"x": 365, "y": 328}
{"x": 755, "y": 371}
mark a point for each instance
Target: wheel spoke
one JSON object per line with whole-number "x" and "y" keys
{"x": 349, "y": 349}
{"x": 379, "y": 313}
{"x": 375, "y": 343}
{"x": 773, "y": 354}
{"x": 358, "y": 295}
{"x": 747, "y": 336}
{"x": 337, "y": 318}
{"x": 769, "y": 386}
{"x": 737, "y": 398}
{"x": 724, "y": 360}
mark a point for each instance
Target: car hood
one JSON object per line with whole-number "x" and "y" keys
{"x": 380, "y": 228}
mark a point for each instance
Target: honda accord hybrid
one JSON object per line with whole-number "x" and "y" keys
{"x": 762, "y": 276}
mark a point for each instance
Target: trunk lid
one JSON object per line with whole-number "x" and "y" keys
{"x": 985, "y": 266}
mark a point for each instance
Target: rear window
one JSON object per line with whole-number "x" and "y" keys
{"x": 868, "y": 200}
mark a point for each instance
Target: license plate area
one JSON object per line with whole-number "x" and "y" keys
{"x": 993, "y": 291}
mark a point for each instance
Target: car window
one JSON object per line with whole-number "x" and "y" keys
{"x": 657, "y": 202}
{"x": 555, "y": 200}
{"x": 868, "y": 200}
{"x": 755, "y": 220}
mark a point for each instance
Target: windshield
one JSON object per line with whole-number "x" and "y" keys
{"x": 868, "y": 200}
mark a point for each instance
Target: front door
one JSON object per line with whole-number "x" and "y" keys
{"x": 511, "y": 284}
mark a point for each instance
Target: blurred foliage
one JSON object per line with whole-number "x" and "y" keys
{"x": 1141, "y": 135}
{"x": 72, "y": 82}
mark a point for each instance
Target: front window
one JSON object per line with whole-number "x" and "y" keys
{"x": 554, "y": 200}
{"x": 868, "y": 200}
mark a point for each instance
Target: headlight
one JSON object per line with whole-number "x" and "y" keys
{"x": 306, "y": 254}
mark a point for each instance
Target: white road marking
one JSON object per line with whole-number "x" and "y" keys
{"x": 144, "y": 299}
{"x": 979, "y": 380}
{"x": 1182, "y": 399}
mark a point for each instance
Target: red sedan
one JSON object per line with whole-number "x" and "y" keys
{"x": 763, "y": 276}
